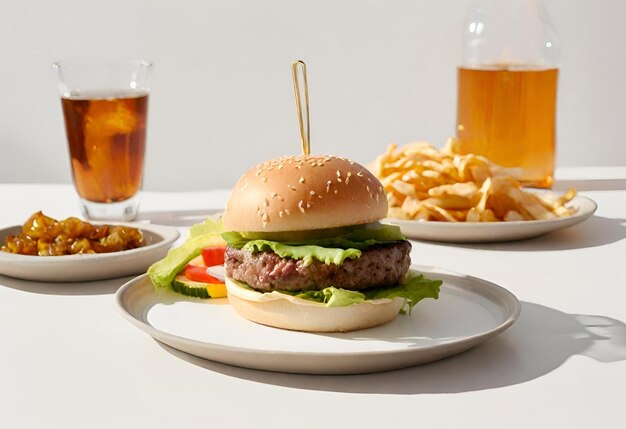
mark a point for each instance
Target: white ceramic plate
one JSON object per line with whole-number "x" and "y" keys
{"x": 86, "y": 267}
{"x": 475, "y": 232}
{"x": 468, "y": 312}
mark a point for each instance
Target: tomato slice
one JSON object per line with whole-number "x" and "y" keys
{"x": 199, "y": 274}
{"x": 213, "y": 256}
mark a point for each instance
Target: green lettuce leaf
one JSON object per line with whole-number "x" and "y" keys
{"x": 336, "y": 250}
{"x": 234, "y": 239}
{"x": 413, "y": 290}
{"x": 306, "y": 253}
{"x": 358, "y": 237}
{"x": 209, "y": 226}
{"x": 201, "y": 235}
{"x": 331, "y": 296}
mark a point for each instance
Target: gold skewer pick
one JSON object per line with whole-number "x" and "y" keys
{"x": 306, "y": 137}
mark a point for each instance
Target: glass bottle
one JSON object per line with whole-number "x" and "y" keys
{"x": 507, "y": 84}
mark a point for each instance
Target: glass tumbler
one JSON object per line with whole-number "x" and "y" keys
{"x": 105, "y": 106}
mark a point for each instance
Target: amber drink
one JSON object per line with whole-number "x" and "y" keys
{"x": 105, "y": 106}
{"x": 508, "y": 114}
{"x": 107, "y": 141}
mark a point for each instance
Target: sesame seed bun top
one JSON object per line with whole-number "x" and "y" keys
{"x": 298, "y": 193}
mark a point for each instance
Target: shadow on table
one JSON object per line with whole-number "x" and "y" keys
{"x": 99, "y": 287}
{"x": 542, "y": 340}
{"x": 591, "y": 185}
{"x": 595, "y": 231}
{"x": 177, "y": 218}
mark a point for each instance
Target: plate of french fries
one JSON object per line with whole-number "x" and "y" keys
{"x": 442, "y": 195}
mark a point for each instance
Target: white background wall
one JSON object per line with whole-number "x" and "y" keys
{"x": 222, "y": 99}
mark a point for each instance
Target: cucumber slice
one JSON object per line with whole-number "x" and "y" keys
{"x": 184, "y": 286}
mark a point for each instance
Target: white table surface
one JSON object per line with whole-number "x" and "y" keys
{"x": 68, "y": 359}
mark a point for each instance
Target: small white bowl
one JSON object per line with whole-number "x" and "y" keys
{"x": 90, "y": 266}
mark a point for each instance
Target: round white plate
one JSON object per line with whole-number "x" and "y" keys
{"x": 485, "y": 232}
{"x": 468, "y": 312}
{"x": 91, "y": 266}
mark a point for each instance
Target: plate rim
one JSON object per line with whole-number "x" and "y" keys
{"x": 509, "y": 320}
{"x": 578, "y": 216}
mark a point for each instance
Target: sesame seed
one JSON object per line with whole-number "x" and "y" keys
{"x": 351, "y": 162}
{"x": 349, "y": 174}
{"x": 265, "y": 218}
{"x": 301, "y": 180}
{"x": 280, "y": 214}
{"x": 335, "y": 191}
{"x": 308, "y": 205}
{"x": 347, "y": 179}
{"x": 368, "y": 188}
{"x": 293, "y": 188}
{"x": 338, "y": 173}
{"x": 258, "y": 172}
{"x": 360, "y": 174}
{"x": 264, "y": 179}
{"x": 339, "y": 179}
{"x": 287, "y": 212}
{"x": 380, "y": 188}
{"x": 274, "y": 194}
{"x": 377, "y": 197}
{"x": 267, "y": 203}
{"x": 312, "y": 192}
{"x": 280, "y": 166}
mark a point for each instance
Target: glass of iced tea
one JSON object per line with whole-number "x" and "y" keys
{"x": 105, "y": 106}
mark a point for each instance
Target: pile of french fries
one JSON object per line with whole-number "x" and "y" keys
{"x": 424, "y": 183}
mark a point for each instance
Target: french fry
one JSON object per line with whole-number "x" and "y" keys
{"x": 488, "y": 216}
{"x": 465, "y": 190}
{"x": 473, "y": 215}
{"x": 485, "y": 191}
{"x": 411, "y": 206}
{"x": 404, "y": 188}
{"x": 398, "y": 213}
{"x": 440, "y": 214}
{"x": 512, "y": 215}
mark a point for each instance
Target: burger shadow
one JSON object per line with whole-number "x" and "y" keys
{"x": 593, "y": 232}
{"x": 538, "y": 343}
{"x": 99, "y": 287}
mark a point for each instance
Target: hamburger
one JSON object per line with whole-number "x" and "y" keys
{"x": 306, "y": 251}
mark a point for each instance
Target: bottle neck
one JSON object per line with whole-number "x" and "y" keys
{"x": 514, "y": 33}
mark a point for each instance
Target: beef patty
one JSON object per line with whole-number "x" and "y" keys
{"x": 383, "y": 265}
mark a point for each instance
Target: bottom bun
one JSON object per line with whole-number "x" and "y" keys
{"x": 287, "y": 312}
